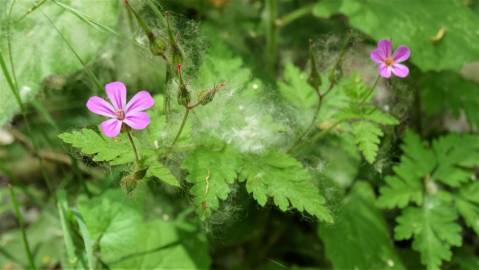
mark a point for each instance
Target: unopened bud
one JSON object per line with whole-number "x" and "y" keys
{"x": 130, "y": 182}
{"x": 184, "y": 96}
{"x": 205, "y": 97}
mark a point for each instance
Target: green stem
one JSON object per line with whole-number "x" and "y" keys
{"x": 311, "y": 125}
{"x": 294, "y": 15}
{"x": 271, "y": 34}
{"x": 183, "y": 122}
{"x": 26, "y": 244}
{"x": 132, "y": 142}
{"x": 371, "y": 90}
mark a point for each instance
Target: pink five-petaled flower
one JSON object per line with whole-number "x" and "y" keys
{"x": 389, "y": 62}
{"x": 131, "y": 113}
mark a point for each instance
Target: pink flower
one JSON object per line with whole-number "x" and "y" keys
{"x": 131, "y": 113}
{"x": 389, "y": 62}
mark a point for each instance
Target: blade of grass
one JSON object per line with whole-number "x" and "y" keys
{"x": 70, "y": 46}
{"x": 62, "y": 206}
{"x": 26, "y": 244}
{"x": 10, "y": 82}
{"x": 87, "y": 241}
{"x": 98, "y": 26}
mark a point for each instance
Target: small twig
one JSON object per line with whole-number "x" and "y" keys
{"x": 180, "y": 130}
{"x": 48, "y": 155}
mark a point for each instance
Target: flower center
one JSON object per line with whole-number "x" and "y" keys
{"x": 120, "y": 115}
{"x": 389, "y": 61}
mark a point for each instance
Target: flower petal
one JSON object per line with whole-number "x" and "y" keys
{"x": 378, "y": 56}
{"x": 386, "y": 46}
{"x": 100, "y": 106}
{"x": 139, "y": 102}
{"x": 111, "y": 127}
{"x": 116, "y": 92}
{"x": 137, "y": 120}
{"x": 400, "y": 70}
{"x": 384, "y": 71}
{"x": 401, "y": 54}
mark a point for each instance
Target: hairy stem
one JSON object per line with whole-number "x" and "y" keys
{"x": 26, "y": 244}
{"x": 180, "y": 130}
{"x": 133, "y": 146}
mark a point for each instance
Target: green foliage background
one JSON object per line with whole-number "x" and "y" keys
{"x": 291, "y": 155}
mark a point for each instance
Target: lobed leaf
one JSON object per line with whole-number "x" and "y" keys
{"x": 277, "y": 175}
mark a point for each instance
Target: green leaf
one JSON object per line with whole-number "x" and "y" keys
{"x": 405, "y": 23}
{"x": 420, "y": 178}
{"x": 125, "y": 240}
{"x": 406, "y": 186}
{"x": 367, "y": 137}
{"x": 467, "y": 203}
{"x": 33, "y": 41}
{"x": 296, "y": 89}
{"x": 365, "y": 119}
{"x": 456, "y": 156}
{"x": 102, "y": 148}
{"x": 359, "y": 238}
{"x": 277, "y": 175}
{"x": 211, "y": 171}
{"x": 434, "y": 229}
{"x": 160, "y": 171}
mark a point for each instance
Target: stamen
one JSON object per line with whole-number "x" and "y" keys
{"x": 120, "y": 115}
{"x": 389, "y": 61}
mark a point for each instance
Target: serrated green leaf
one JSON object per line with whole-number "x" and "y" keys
{"x": 277, "y": 175}
{"x": 405, "y": 23}
{"x": 102, "y": 148}
{"x": 455, "y": 154}
{"x": 359, "y": 239}
{"x": 467, "y": 203}
{"x": 211, "y": 172}
{"x": 296, "y": 89}
{"x": 160, "y": 171}
{"x": 33, "y": 41}
{"x": 364, "y": 119}
{"x": 406, "y": 186}
{"x": 434, "y": 229}
{"x": 367, "y": 137}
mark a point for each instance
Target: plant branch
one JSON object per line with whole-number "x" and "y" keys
{"x": 180, "y": 130}
{"x": 133, "y": 146}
